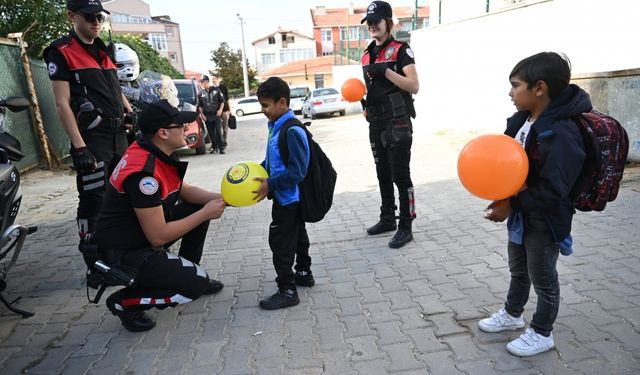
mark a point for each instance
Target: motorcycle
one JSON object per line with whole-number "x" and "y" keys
{"x": 152, "y": 86}
{"x": 12, "y": 236}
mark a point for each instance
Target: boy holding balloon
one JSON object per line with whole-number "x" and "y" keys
{"x": 288, "y": 238}
{"x": 540, "y": 214}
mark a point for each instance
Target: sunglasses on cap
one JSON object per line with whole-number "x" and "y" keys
{"x": 174, "y": 126}
{"x": 93, "y": 17}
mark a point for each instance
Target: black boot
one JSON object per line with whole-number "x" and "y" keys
{"x": 401, "y": 238}
{"x": 134, "y": 321}
{"x": 281, "y": 299}
{"x": 304, "y": 278}
{"x": 387, "y": 222}
{"x": 214, "y": 287}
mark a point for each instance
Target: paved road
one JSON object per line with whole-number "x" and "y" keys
{"x": 373, "y": 311}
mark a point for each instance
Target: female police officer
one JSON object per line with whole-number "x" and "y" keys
{"x": 391, "y": 78}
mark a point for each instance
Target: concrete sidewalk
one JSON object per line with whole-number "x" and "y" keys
{"x": 374, "y": 310}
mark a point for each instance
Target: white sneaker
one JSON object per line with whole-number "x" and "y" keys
{"x": 530, "y": 343}
{"x": 501, "y": 321}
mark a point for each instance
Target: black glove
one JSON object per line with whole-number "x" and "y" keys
{"x": 130, "y": 118}
{"x": 363, "y": 103}
{"x": 83, "y": 159}
{"x": 375, "y": 72}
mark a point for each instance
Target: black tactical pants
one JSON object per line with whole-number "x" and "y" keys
{"x": 392, "y": 167}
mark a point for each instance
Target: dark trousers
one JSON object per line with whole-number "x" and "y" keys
{"x": 214, "y": 127}
{"x": 167, "y": 279}
{"x": 107, "y": 146}
{"x": 534, "y": 262}
{"x": 289, "y": 241}
{"x": 392, "y": 167}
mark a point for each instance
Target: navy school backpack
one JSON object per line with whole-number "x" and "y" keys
{"x": 606, "y": 145}
{"x": 316, "y": 190}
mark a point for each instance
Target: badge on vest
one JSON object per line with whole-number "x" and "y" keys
{"x": 148, "y": 185}
{"x": 389, "y": 52}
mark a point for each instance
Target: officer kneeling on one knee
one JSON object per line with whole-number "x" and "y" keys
{"x": 147, "y": 207}
{"x": 390, "y": 74}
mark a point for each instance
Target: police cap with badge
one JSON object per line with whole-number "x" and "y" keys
{"x": 161, "y": 114}
{"x": 377, "y": 11}
{"x": 86, "y": 6}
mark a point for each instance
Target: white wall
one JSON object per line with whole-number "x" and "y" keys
{"x": 463, "y": 67}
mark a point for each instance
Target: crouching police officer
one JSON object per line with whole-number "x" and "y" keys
{"x": 148, "y": 207}
{"x": 391, "y": 78}
{"x": 90, "y": 105}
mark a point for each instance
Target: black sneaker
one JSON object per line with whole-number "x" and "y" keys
{"x": 304, "y": 278}
{"x": 281, "y": 299}
{"x": 401, "y": 238}
{"x": 222, "y": 152}
{"x": 214, "y": 287}
{"x": 382, "y": 226}
{"x": 134, "y": 321}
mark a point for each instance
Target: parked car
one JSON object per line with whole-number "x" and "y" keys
{"x": 298, "y": 94}
{"x": 195, "y": 133}
{"x": 246, "y": 106}
{"x": 324, "y": 101}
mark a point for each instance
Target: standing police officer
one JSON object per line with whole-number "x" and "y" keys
{"x": 90, "y": 105}
{"x": 390, "y": 74}
{"x": 211, "y": 105}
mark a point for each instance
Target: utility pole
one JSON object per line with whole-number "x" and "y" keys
{"x": 415, "y": 16}
{"x": 245, "y": 72}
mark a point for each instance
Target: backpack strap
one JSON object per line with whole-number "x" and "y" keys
{"x": 282, "y": 137}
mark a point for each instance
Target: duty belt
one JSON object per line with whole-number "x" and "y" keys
{"x": 379, "y": 110}
{"x": 111, "y": 123}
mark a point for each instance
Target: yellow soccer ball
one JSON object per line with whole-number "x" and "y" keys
{"x": 238, "y": 184}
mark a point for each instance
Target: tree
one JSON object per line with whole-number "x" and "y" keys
{"x": 229, "y": 67}
{"x": 149, "y": 58}
{"x": 50, "y": 18}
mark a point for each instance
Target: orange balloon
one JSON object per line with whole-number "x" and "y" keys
{"x": 353, "y": 90}
{"x": 493, "y": 166}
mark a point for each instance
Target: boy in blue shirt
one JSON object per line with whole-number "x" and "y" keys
{"x": 288, "y": 238}
{"x": 540, "y": 214}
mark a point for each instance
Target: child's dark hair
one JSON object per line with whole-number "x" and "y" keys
{"x": 550, "y": 67}
{"x": 274, "y": 88}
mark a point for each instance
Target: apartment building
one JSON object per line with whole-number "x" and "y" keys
{"x": 282, "y": 47}
{"x": 134, "y": 17}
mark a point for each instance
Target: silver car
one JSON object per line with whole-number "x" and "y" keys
{"x": 324, "y": 101}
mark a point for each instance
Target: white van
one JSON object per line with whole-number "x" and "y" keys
{"x": 298, "y": 94}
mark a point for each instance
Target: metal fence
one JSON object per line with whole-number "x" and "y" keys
{"x": 21, "y": 124}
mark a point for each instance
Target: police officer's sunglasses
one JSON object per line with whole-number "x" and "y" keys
{"x": 93, "y": 17}
{"x": 175, "y": 126}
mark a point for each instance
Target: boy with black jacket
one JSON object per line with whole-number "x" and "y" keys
{"x": 288, "y": 238}
{"x": 540, "y": 214}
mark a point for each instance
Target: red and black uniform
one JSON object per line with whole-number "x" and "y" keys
{"x": 389, "y": 109}
{"x": 96, "y": 102}
{"x": 146, "y": 177}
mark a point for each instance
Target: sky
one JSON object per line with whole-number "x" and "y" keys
{"x": 204, "y": 24}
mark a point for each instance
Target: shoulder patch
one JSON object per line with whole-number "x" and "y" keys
{"x": 53, "y": 68}
{"x": 148, "y": 185}
{"x": 410, "y": 53}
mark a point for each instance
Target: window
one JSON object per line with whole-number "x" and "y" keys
{"x": 272, "y": 40}
{"x": 425, "y": 22}
{"x": 293, "y": 54}
{"x": 169, "y": 30}
{"x": 291, "y": 39}
{"x": 268, "y": 58}
{"x": 319, "y": 80}
{"x": 355, "y": 33}
{"x": 326, "y": 35}
{"x": 158, "y": 42}
{"x": 173, "y": 56}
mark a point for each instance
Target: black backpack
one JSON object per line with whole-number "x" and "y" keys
{"x": 316, "y": 190}
{"x": 607, "y": 146}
